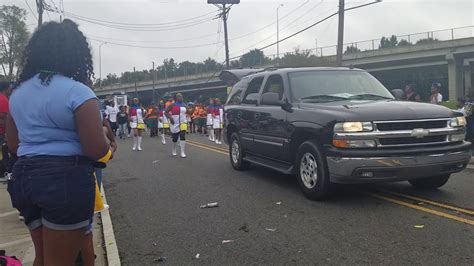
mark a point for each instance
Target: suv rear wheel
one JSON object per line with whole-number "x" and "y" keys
{"x": 236, "y": 154}
{"x": 313, "y": 176}
{"x": 430, "y": 182}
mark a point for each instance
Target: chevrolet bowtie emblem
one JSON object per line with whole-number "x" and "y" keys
{"x": 419, "y": 133}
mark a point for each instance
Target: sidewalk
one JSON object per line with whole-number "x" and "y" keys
{"x": 15, "y": 238}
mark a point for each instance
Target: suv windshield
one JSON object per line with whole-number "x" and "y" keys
{"x": 327, "y": 85}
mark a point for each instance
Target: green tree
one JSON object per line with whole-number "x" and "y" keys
{"x": 210, "y": 65}
{"x": 13, "y": 38}
{"x": 386, "y": 42}
{"x": 404, "y": 42}
{"x": 426, "y": 41}
{"x": 253, "y": 58}
{"x": 352, "y": 49}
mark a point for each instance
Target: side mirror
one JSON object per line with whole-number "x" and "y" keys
{"x": 271, "y": 98}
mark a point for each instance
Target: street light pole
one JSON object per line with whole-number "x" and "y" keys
{"x": 100, "y": 64}
{"x": 340, "y": 33}
{"x": 278, "y": 31}
{"x": 153, "y": 73}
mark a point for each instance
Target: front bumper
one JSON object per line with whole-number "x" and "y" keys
{"x": 373, "y": 169}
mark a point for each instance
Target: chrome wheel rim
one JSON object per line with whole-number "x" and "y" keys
{"x": 309, "y": 170}
{"x": 235, "y": 152}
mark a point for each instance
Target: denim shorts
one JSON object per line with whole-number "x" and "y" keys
{"x": 53, "y": 191}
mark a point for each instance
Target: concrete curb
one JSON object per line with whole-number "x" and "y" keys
{"x": 113, "y": 258}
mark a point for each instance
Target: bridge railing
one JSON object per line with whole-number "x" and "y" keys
{"x": 410, "y": 39}
{"x": 158, "y": 82}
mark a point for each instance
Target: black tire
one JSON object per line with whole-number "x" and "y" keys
{"x": 430, "y": 182}
{"x": 317, "y": 189}
{"x": 236, "y": 161}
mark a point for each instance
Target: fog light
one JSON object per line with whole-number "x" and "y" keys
{"x": 457, "y": 137}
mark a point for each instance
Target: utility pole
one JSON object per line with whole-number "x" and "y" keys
{"x": 100, "y": 64}
{"x": 340, "y": 33}
{"x": 153, "y": 73}
{"x": 278, "y": 32}
{"x": 135, "y": 81}
{"x": 225, "y": 12}
{"x": 40, "y": 8}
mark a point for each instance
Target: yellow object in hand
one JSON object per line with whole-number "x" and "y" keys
{"x": 106, "y": 157}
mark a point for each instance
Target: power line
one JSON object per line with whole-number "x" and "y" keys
{"x": 155, "y": 47}
{"x": 300, "y": 31}
{"x": 148, "y": 41}
{"x": 31, "y": 10}
{"x": 273, "y": 23}
{"x": 272, "y": 35}
{"x": 146, "y": 25}
{"x": 168, "y": 28}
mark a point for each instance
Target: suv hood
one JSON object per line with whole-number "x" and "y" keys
{"x": 378, "y": 110}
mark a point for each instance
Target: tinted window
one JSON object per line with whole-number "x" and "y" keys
{"x": 275, "y": 84}
{"x": 251, "y": 95}
{"x": 340, "y": 84}
{"x": 235, "y": 96}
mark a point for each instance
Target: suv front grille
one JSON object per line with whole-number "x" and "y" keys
{"x": 411, "y": 141}
{"x": 390, "y": 126}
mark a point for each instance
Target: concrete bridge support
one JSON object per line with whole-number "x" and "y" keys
{"x": 455, "y": 77}
{"x": 468, "y": 79}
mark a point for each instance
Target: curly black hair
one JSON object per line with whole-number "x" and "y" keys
{"x": 58, "y": 48}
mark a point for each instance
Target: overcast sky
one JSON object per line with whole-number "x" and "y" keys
{"x": 247, "y": 26}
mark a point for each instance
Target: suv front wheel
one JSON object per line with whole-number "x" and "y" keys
{"x": 313, "y": 176}
{"x": 430, "y": 182}
{"x": 236, "y": 153}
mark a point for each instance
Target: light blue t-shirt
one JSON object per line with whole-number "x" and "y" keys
{"x": 44, "y": 116}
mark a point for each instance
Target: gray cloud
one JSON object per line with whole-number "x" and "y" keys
{"x": 389, "y": 17}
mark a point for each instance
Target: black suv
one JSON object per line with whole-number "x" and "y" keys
{"x": 340, "y": 125}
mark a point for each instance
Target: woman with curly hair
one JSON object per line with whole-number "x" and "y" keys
{"x": 55, "y": 128}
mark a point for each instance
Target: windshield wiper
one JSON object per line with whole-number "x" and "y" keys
{"x": 325, "y": 98}
{"x": 368, "y": 96}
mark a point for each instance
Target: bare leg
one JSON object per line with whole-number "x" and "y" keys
{"x": 87, "y": 251}
{"x": 37, "y": 236}
{"x": 62, "y": 247}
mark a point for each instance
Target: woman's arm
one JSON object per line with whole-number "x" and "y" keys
{"x": 12, "y": 135}
{"x": 90, "y": 129}
{"x": 167, "y": 114}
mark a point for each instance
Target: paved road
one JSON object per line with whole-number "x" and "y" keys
{"x": 155, "y": 202}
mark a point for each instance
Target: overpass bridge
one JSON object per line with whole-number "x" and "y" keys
{"x": 206, "y": 82}
{"x": 450, "y": 61}
{"x": 456, "y": 56}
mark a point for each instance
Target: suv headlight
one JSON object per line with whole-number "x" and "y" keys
{"x": 354, "y": 143}
{"x": 459, "y": 121}
{"x": 353, "y": 127}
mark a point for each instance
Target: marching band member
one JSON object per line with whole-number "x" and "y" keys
{"x": 210, "y": 118}
{"x": 218, "y": 120}
{"x": 163, "y": 122}
{"x": 137, "y": 123}
{"x": 176, "y": 114}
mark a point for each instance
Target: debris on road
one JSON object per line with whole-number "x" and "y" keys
{"x": 160, "y": 259}
{"x": 154, "y": 244}
{"x": 278, "y": 203}
{"x": 244, "y": 228}
{"x": 155, "y": 162}
{"x": 227, "y": 241}
{"x": 197, "y": 256}
{"x": 210, "y": 205}
{"x": 270, "y": 229}
{"x": 419, "y": 226}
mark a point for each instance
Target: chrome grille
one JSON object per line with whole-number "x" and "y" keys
{"x": 390, "y": 126}
{"x": 401, "y": 132}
